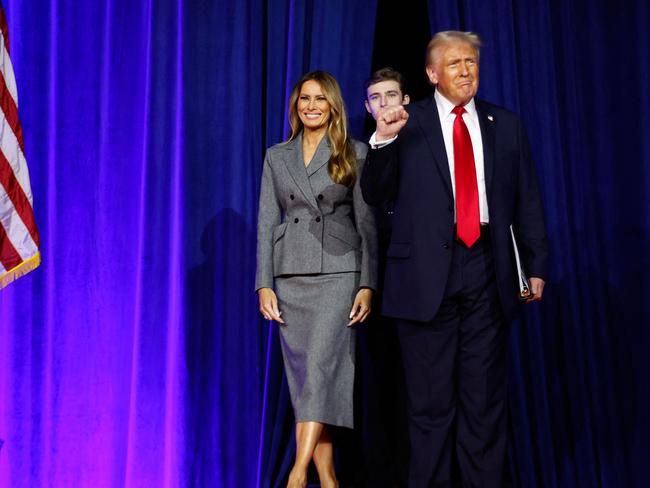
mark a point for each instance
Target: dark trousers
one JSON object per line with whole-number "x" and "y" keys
{"x": 455, "y": 368}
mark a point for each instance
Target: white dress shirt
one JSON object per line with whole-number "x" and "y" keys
{"x": 470, "y": 117}
{"x": 447, "y": 117}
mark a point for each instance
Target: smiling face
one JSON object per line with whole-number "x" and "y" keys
{"x": 453, "y": 68}
{"x": 384, "y": 94}
{"x": 312, "y": 106}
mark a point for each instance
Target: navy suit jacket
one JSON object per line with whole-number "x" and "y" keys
{"x": 413, "y": 174}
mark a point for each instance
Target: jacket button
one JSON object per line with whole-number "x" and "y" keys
{"x": 320, "y": 197}
{"x": 317, "y": 219}
{"x": 296, "y": 220}
{"x": 291, "y": 196}
{"x": 445, "y": 245}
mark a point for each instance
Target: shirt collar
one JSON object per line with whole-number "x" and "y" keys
{"x": 445, "y": 107}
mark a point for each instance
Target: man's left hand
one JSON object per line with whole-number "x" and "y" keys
{"x": 537, "y": 288}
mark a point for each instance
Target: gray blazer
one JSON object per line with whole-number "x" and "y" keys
{"x": 308, "y": 224}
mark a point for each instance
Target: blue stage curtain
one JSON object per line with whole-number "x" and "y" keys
{"x": 135, "y": 356}
{"x": 578, "y": 73}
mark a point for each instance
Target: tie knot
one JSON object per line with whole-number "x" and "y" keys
{"x": 460, "y": 110}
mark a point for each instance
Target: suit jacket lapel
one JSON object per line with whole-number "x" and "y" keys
{"x": 321, "y": 156}
{"x": 293, "y": 160}
{"x": 486, "y": 121}
{"x": 430, "y": 124}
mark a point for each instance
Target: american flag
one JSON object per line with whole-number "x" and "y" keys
{"x": 19, "y": 241}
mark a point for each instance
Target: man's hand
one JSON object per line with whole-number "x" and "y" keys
{"x": 269, "y": 305}
{"x": 537, "y": 288}
{"x": 390, "y": 121}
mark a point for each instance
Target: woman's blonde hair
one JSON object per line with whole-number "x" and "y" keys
{"x": 342, "y": 163}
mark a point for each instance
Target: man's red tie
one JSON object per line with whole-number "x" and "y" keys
{"x": 468, "y": 222}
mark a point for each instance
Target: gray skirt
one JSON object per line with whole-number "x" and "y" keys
{"x": 317, "y": 345}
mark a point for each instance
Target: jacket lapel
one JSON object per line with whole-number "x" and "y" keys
{"x": 486, "y": 121}
{"x": 321, "y": 156}
{"x": 293, "y": 160}
{"x": 427, "y": 115}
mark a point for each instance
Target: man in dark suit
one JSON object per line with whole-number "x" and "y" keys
{"x": 459, "y": 173}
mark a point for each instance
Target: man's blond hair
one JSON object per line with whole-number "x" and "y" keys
{"x": 447, "y": 37}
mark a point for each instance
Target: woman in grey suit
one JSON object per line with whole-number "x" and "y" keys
{"x": 316, "y": 264}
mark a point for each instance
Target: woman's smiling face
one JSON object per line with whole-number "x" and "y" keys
{"x": 313, "y": 107}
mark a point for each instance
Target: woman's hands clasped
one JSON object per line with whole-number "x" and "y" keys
{"x": 361, "y": 306}
{"x": 269, "y": 305}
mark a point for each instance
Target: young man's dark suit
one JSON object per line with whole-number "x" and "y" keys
{"x": 433, "y": 282}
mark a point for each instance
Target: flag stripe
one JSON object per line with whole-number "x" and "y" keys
{"x": 8, "y": 106}
{"x": 9, "y": 257}
{"x": 14, "y": 188}
{"x": 16, "y": 199}
{"x": 4, "y": 28}
{"x": 7, "y": 70}
{"x": 11, "y": 149}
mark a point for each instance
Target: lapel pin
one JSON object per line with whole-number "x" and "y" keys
{"x": 490, "y": 118}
